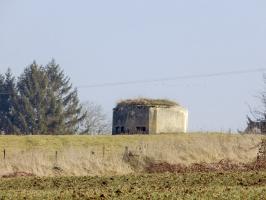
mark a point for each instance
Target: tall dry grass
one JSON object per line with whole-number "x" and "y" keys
{"x": 87, "y": 155}
{"x": 71, "y": 161}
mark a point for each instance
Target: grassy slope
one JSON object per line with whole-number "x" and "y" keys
{"x": 14, "y": 143}
{"x": 249, "y": 185}
{"x": 102, "y": 155}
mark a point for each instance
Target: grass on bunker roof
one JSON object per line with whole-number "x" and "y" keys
{"x": 147, "y": 102}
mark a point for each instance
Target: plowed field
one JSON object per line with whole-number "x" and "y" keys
{"x": 214, "y": 185}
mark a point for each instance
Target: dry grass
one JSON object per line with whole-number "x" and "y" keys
{"x": 102, "y": 155}
{"x": 69, "y": 162}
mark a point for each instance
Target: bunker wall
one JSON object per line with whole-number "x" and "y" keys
{"x": 130, "y": 120}
{"x": 168, "y": 120}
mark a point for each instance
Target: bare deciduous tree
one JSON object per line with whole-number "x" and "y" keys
{"x": 96, "y": 121}
{"x": 258, "y": 125}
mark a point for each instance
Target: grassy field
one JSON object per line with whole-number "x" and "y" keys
{"x": 233, "y": 185}
{"x": 202, "y": 166}
{"x": 102, "y": 155}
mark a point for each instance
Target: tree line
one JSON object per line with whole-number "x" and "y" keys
{"x": 42, "y": 100}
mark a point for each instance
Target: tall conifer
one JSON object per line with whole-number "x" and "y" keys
{"x": 42, "y": 101}
{"x": 67, "y": 106}
{"x": 8, "y": 97}
{"x": 34, "y": 100}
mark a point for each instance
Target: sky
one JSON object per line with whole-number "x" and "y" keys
{"x": 107, "y": 41}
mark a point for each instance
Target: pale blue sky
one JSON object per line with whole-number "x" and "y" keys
{"x": 109, "y": 41}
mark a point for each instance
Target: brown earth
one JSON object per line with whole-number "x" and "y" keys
{"x": 18, "y": 174}
{"x": 223, "y": 165}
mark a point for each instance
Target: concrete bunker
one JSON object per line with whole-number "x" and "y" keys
{"x": 149, "y": 116}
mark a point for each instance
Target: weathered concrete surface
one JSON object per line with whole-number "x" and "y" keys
{"x": 126, "y": 119}
{"x": 168, "y": 119}
{"x": 149, "y": 119}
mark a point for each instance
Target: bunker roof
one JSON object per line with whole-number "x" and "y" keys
{"x": 147, "y": 102}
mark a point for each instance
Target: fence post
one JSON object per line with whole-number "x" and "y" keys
{"x": 103, "y": 151}
{"x": 56, "y": 157}
{"x": 261, "y": 155}
{"x": 126, "y": 154}
{"x": 4, "y": 152}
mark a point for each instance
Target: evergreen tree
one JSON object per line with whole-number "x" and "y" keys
{"x": 2, "y": 100}
{"x": 8, "y": 97}
{"x": 42, "y": 101}
{"x": 67, "y": 108}
{"x": 34, "y": 100}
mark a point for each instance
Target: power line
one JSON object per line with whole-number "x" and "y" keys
{"x": 186, "y": 77}
{"x": 195, "y": 76}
